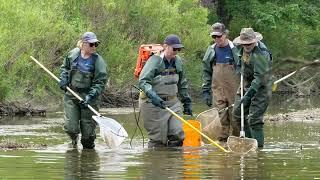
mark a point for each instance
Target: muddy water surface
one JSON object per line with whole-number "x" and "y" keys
{"x": 291, "y": 151}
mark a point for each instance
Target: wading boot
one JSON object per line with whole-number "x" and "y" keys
{"x": 74, "y": 141}
{"x": 155, "y": 144}
{"x": 175, "y": 143}
{"x": 247, "y": 131}
{"x": 258, "y": 134}
{"x": 88, "y": 143}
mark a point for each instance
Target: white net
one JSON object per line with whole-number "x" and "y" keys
{"x": 210, "y": 123}
{"x": 242, "y": 145}
{"x": 112, "y": 133}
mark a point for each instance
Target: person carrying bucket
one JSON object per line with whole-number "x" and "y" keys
{"x": 85, "y": 72}
{"x": 254, "y": 62}
{"x": 161, "y": 80}
{"x": 219, "y": 78}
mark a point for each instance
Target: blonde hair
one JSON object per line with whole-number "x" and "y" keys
{"x": 79, "y": 44}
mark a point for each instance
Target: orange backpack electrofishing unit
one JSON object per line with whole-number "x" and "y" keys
{"x": 145, "y": 51}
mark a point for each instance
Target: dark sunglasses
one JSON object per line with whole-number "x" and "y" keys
{"x": 96, "y": 44}
{"x": 176, "y": 49}
{"x": 247, "y": 44}
{"x": 215, "y": 36}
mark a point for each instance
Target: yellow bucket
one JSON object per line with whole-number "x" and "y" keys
{"x": 192, "y": 137}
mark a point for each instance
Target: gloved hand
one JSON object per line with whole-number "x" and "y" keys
{"x": 246, "y": 99}
{"x": 207, "y": 98}
{"x": 155, "y": 99}
{"x": 63, "y": 83}
{"x": 187, "y": 109}
{"x": 84, "y": 103}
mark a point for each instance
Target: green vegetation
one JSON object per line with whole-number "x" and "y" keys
{"x": 47, "y": 30}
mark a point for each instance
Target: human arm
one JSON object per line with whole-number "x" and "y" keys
{"x": 207, "y": 76}
{"x": 145, "y": 80}
{"x": 183, "y": 88}
{"x": 261, "y": 64}
{"x": 64, "y": 73}
{"x": 98, "y": 82}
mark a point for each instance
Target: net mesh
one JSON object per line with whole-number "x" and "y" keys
{"x": 112, "y": 133}
{"x": 210, "y": 123}
{"x": 242, "y": 145}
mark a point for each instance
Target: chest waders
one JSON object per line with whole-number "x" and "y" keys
{"x": 162, "y": 127}
{"x": 253, "y": 114}
{"x": 79, "y": 119}
{"x": 224, "y": 86}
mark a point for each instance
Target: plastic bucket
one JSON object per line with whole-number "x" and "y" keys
{"x": 192, "y": 137}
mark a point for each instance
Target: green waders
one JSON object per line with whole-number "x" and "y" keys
{"x": 79, "y": 119}
{"x": 253, "y": 116}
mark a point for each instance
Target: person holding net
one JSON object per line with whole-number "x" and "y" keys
{"x": 219, "y": 77}
{"x": 85, "y": 72}
{"x": 254, "y": 62}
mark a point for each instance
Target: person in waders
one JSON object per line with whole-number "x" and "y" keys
{"x": 219, "y": 76}
{"x": 85, "y": 72}
{"x": 162, "y": 80}
{"x": 254, "y": 63}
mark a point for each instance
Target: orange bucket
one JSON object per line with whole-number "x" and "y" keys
{"x": 192, "y": 137}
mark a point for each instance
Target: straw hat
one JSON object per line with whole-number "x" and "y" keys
{"x": 247, "y": 36}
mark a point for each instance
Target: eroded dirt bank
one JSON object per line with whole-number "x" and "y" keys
{"x": 300, "y": 115}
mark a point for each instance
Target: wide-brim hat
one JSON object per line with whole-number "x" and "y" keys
{"x": 247, "y": 36}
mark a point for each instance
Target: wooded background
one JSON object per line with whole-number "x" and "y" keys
{"x": 48, "y": 29}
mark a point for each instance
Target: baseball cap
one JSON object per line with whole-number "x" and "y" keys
{"x": 217, "y": 29}
{"x": 173, "y": 41}
{"x": 89, "y": 37}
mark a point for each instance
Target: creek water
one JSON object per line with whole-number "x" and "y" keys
{"x": 291, "y": 151}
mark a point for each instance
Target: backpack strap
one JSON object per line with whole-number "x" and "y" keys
{"x": 263, "y": 47}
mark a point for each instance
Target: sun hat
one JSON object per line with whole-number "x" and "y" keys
{"x": 247, "y": 36}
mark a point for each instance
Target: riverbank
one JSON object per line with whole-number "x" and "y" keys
{"x": 111, "y": 99}
{"x": 306, "y": 115}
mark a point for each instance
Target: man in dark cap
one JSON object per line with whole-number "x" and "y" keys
{"x": 254, "y": 64}
{"x": 219, "y": 78}
{"x": 162, "y": 80}
{"x": 85, "y": 72}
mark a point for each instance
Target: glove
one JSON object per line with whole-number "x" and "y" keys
{"x": 187, "y": 110}
{"x": 84, "y": 103}
{"x": 246, "y": 99}
{"x": 63, "y": 83}
{"x": 207, "y": 98}
{"x": 155, "y": 99}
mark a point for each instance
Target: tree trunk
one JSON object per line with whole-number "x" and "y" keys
{"x": 222, "y": 12}
{"x": 220, "y": 7}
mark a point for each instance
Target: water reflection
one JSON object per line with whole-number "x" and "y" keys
{"x": 162, "y": 163}
{"x": 191, "y": 163}
{"x": 200, "y": 163}
{"x": 291, "y": 151}
{"x": 82, "y": 164}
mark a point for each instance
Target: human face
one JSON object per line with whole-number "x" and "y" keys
{"x": 248, "y": 47}
{"x": 170, "y": 52}
{"x": 221, "y": 40}
{"x": 89, "y": 48}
